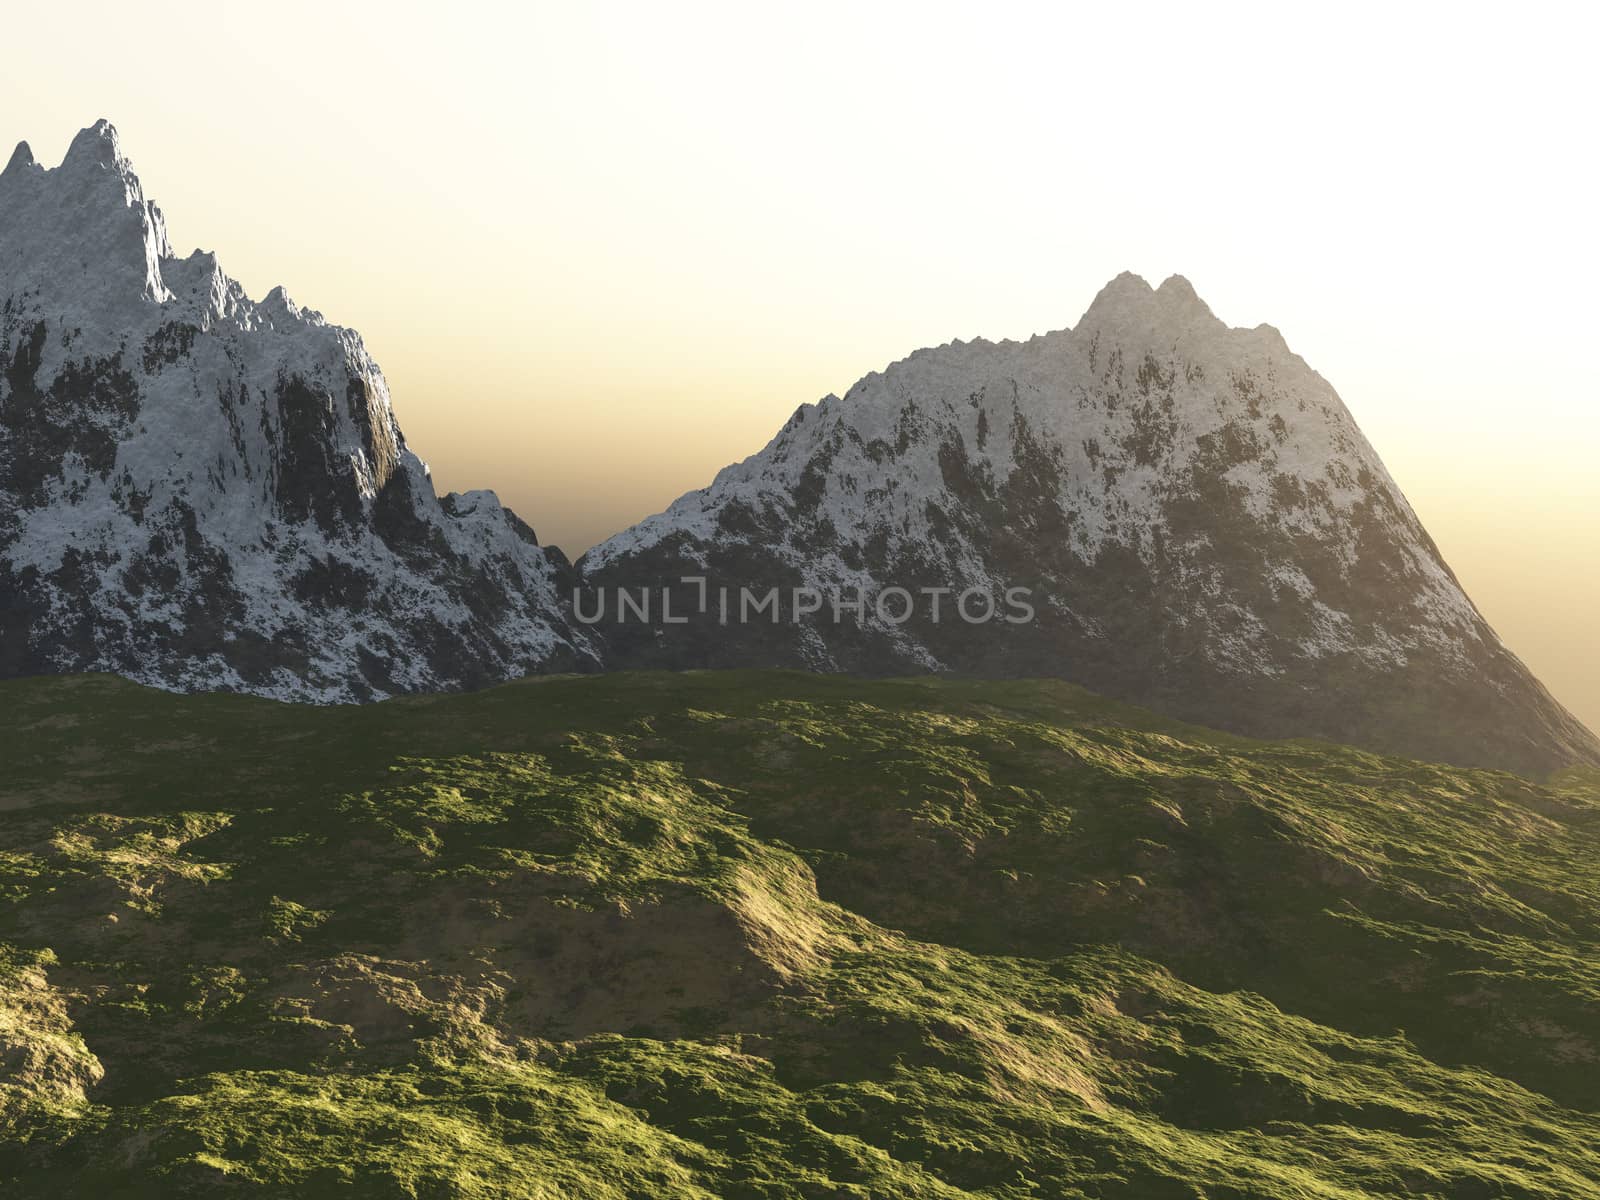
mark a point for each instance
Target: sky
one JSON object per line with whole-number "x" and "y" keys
{"x": 603, "y": 250}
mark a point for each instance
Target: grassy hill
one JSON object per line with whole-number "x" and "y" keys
{"x": 775, "y": 935}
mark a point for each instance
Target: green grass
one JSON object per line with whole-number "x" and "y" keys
{"x": 774, "y": 935}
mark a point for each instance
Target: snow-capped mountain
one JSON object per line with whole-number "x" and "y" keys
{"x": 202, "y": 491}
{"x": 198, "y": 490}
{"x": 1197, "y": 522}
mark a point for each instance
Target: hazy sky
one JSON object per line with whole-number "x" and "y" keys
{"x": 602, "y": 250}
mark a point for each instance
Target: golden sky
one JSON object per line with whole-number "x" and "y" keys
{"x": 603, "y": 250}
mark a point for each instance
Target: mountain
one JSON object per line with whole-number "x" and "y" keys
{"x": 1194, "y": 519}
{"x": 201, "y": 491}
{"x": 772, "y": 935}
{"x": 198, "y": 490}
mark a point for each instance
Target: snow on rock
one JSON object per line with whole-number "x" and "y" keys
{"x": 202, "y": 491}
{"x": 1202, "y": 526}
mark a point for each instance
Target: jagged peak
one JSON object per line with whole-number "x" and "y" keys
{"x": 1130, "y": 300}
{"x": 1126, "y": 293}
{"x": 279, "y": 307}
{"x": 1176, "y": 287}
{"x": 1125, "y": 285}
{"x": 97, "y": 145}
{"x": 1178, "y": 294}
{"x": 21, "y": 159}
{"x": 92, "y": 197}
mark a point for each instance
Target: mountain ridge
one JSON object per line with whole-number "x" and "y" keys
{"x": 205, "y": 491}
{"x": 208, "y": 491}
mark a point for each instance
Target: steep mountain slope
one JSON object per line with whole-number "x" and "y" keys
{"x": 1200, "y": 524}
{"x": 202, "y": 491}
{"x": 777, "y": 935}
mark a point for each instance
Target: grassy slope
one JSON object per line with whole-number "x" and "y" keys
{"x": 773, "y": 935}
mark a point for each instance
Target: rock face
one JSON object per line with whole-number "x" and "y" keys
{"x": 1200, "y": 524}
{"x": 202, "y": 491}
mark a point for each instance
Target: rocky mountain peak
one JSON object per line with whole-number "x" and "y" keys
{"x": 1200, "y": 524}
{"x": 21, "y": 158}
{"x": 202, "y": 492}
{"x": 82, "y": 234}
{"x": 1129, "y": 305}
{"x": 98, "y": 145}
